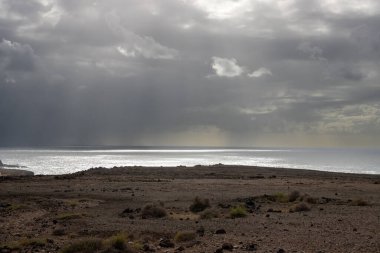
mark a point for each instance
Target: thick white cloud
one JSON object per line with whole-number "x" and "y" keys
{"x": 226, "y": 67}
{"x": 135, "y": 45}
{"x": 260, "y": 72}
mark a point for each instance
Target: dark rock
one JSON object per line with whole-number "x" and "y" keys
{"x": 201, "y": 231}
{"x": 219, "y": 250}
{"x": 4, "y": 205}
{"x": 251, "y": 247}
{"x": 225, "y": 206}
{"x": 148, "y": 248}
{"x": 227, "y": 246}
{"x": 180, "y": 249}
{"x": 5, "y": 249}
{"x": 220, "y": 231}
{"x": 166, "y": 243}
{"x": 280, "y": 251}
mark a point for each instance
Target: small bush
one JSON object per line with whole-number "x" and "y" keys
{"x": 69, "y": 216}
{"x": 58, "y": 232}
{"x": 33, "y": 242}
{"x": 185, "y": 236}
{"x": 153, "y": 211}
{"x": 85, "y": 246}
{"x": 209, "y": 214}
{"x": 238, "y": 212}
{"x": 281, "y": 197}
{"x": 293, "y": 196}
{"x": 199, "y": 205}
{"x": 359, "y": 202}
{"x": 300, "y": 207}
{"x": 117, "y": 242}
{"x": 311, "y": 200}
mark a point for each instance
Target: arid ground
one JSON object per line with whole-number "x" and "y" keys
{"x": 238, "y": 209}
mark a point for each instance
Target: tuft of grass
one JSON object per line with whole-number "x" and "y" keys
{"x": 209, "y": 214}
{"x": 118, "y": 242}
{"x": 199, "y": 205}
{"x": 311, "y": 200}
{"x": 300, "y": 207}
{"x": 69, "y": 216}
{"x": 84, "y": 246}
{"x": 359, "y": 202}
{"x": 293, "y": 196}
{"x": 185, "y": 236}
{"x": 153, "y": 211}
{"x": 238, "y": 212}
{"x": 281, "y": 197}
{"x": 25, "y": 242}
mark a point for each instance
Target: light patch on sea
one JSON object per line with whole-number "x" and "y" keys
{"x": 69, "y": 160}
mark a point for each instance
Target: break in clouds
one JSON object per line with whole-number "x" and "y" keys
{"x": 181, "y": 72}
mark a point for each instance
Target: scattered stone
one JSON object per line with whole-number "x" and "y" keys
{"x": 148, "y": 248}
{"x": 128, "y": 210}
{"x": 220, "y": 231}
{"x": 251, "y": 247}
{"x": 166, "y": 243}
{"x": 227, "y": 246}
{"x": 180, "y": 249}
{"x": 225, "y": 206}
{"x": 5, "y": 249}
{"x": 201, "y": 231}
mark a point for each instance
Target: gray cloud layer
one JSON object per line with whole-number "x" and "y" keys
{"x": 181, "y": 72}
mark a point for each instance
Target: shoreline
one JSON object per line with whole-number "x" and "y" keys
{"x": 23, "y": 171}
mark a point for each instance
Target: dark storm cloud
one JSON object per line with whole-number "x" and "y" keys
{"x": 75, "y": 72}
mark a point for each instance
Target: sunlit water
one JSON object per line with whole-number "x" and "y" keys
{"x": 61, "y": 161}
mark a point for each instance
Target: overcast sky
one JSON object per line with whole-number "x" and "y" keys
{"x": 190, "y": 72}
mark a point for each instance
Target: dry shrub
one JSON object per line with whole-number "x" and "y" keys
{"x": 300, "y": 207}
{"x": 209, "y": 214}
{"x": 199, "y": 205}
{"x": 84, "y": 246}
{"x": 293, "y": 196}
{"x": 281, "y": 197}
{"x": 153, "y": 211}
{"x": 185, "y": 236}
{"x": 360, "y": 202}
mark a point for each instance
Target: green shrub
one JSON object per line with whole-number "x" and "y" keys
{"x": 199, "y": 205}
{"x": 84, "y": 246}
{"x": 153, "y": 211}
{"x": 238, "y": 212}
{"x": 185, "y": 236}
{"x": 118, "y": 242}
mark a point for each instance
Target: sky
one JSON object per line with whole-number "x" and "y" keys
{"x": 190, "y": 73}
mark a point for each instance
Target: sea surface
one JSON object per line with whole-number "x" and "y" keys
{"x": 69, "y": 160}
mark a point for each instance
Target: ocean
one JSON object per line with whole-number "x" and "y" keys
{"x": 55, "y": 161}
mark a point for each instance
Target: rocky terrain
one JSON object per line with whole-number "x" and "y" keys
{"x": 190, "y": 209}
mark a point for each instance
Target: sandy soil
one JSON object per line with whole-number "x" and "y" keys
{"x": 48, "y": 213}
